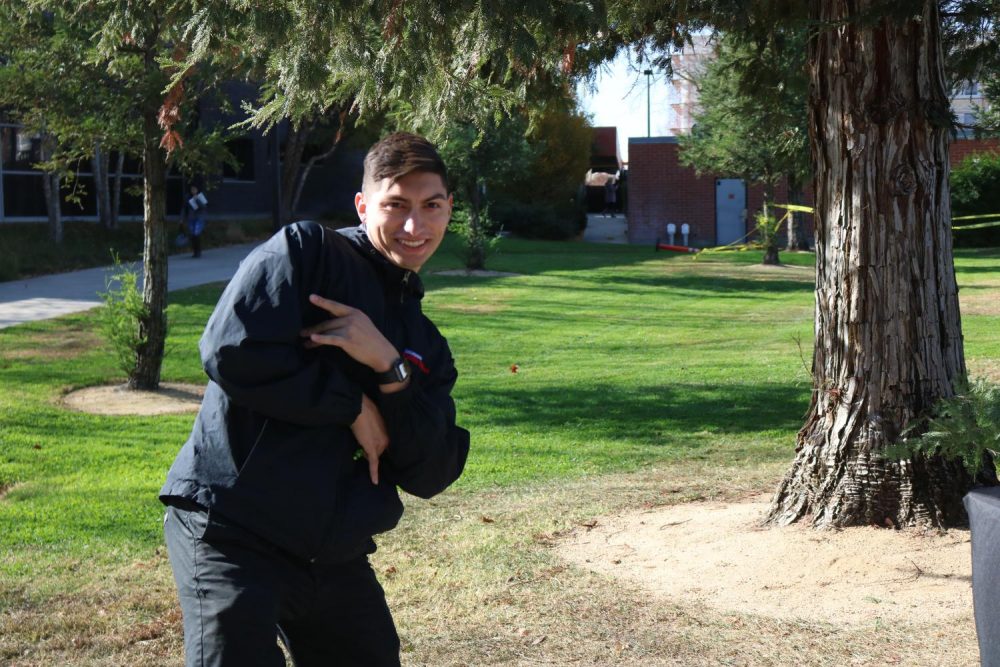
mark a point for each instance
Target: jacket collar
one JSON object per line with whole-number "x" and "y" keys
{"x": 407, "y": 281}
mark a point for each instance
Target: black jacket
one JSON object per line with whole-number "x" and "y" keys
{"x": 272, "y": 448}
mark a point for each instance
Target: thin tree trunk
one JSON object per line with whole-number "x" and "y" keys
{"x": 796, "y": 227}
{"x": 301, "y": 181}
{"x": 152, "y": 327}
{"x": 769, "y": 232}
{"x": 99, "y": 162}
{"x": 295, "y": 144}
{"x": 888, "y": 332}
{"x": 116, "y": 196}
{"x": 50, "y": 188}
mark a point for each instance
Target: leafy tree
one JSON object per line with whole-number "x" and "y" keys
{"x": 752, "y": 119}
{"x": 888, "y": 334}
{"x": 478, "y": 162}
{"x": 117, "y": 79}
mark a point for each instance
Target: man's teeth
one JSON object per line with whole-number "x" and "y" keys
{"x": 412, "y": 244}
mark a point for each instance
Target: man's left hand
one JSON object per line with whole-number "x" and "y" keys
{"x": 353, "y": 332}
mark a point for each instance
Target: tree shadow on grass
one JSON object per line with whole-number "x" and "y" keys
{"x": 700, "y": 283}
{"x": 644, "y": 413}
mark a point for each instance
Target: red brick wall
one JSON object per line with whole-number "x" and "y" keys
{"x": 961, "y": 148}
{"x": 662, "y": 191}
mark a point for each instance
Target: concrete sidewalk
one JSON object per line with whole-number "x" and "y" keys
{"x": 601, "y": 229}
{"x": 59, "y": 294}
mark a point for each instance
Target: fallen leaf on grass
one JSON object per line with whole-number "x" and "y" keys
{"x": 486, "y": 519}
{"x": 513, "y": 368}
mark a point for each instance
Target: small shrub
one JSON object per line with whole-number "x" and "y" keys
{"x": 10, "y": 265}
{"x": 768, "y": 227}
{"x": 965, "y": 426}
{"x": 478, "y": 241}
{"x": 975, "y": 190}
{"x": 121, "y": 313}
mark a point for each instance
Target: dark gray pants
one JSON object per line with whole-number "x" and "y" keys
{"x": 238, "y": 593}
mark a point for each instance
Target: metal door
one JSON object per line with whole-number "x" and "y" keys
{"x": 730, "y": 210}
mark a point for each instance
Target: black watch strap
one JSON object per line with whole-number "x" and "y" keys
{"x": 398, "y": 372}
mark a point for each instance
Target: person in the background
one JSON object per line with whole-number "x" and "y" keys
{"x": 194, "y": 218}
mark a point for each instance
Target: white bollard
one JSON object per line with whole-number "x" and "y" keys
{"x": 671, "y": 230}
{"x": 685, "y": 232}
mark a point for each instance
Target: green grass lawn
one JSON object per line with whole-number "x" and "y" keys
{"x": 625, "y": 360}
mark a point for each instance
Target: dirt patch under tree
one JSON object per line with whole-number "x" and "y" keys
{"x": 170, "y": 398}
{"x": 717, "y": 554}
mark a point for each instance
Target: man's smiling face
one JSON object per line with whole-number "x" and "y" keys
{"x": 406, "y": 220}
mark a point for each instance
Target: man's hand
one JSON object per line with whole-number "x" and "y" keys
{"x": 352, "y": 331}
{"x": 370, "y": 432}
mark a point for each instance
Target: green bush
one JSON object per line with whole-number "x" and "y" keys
{"x": 10, "y": 265}
{"x": 975, "y": 190}
{"x": 540, "y": 220}
{"x": 966, "y": 427}
{"x": 121, "y": 313}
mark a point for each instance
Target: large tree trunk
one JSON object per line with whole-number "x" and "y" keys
{"x": 153, "y": 327}
{"x": 888, "y": 333}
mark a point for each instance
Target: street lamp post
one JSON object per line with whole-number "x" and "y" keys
{"x": 649, "y": 75}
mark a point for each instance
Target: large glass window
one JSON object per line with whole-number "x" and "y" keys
{"x": 23, "y": 196}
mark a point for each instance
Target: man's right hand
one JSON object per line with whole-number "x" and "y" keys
{"x": 370, "y": 432}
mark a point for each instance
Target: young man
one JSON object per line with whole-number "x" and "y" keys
{"x": 313, "y": 417}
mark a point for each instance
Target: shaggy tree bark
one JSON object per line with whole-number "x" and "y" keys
{"x": 152, "y": 327}
{"x": 888, "y": 332}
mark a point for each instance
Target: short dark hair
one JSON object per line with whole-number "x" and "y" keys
{"x": 400, "y": 154}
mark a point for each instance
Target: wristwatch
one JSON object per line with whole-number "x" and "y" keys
{"x": 398, "y": 372}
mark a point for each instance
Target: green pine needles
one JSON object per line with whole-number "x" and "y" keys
{"x": 965, "y": 426}
{"x": 121, "y": 314}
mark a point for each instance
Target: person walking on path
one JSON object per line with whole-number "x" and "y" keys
{"x": 329, "y": 390}
{"x": 195, "y": 209}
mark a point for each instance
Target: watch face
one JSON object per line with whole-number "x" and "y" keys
{"x": 403, "y": 369}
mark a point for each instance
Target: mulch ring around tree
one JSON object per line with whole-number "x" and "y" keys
{"x": 170, "y": 398}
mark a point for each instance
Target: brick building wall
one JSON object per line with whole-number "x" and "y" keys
{"x": 662, "y": 191}
{"x": 962, "y": 148}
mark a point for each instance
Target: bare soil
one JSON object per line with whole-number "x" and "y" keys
{"x": 718, "y": 555}
{"x": 171, "y": 398}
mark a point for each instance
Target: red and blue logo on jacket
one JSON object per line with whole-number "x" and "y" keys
{"x": 416, "y": 361}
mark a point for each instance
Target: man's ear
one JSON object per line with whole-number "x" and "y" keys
{"x": 360, "y": 205}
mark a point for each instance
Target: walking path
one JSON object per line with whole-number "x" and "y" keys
{"x": 50, "y": 296}
{"x": 59, "y": 294}
{"x": 601, "y": 229}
